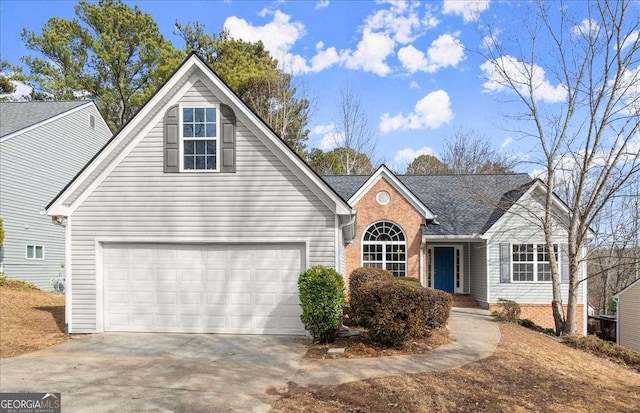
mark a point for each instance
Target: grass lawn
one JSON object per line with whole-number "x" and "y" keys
{"x": 529, "y": 372}
{"x": 30, "y": 319}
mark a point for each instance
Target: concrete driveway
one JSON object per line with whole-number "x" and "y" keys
{"x": 128, "y": 372}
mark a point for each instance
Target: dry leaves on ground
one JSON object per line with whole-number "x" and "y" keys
{"x": 529, "y": 372}
{"x": 30, "y": 319}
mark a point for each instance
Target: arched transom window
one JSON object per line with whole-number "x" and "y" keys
{"x": 384, "y": 246}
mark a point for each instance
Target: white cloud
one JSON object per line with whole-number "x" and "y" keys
{"x": 278, "y": 36}
{"x": 414, "y": 85}
{"x": 331, "y": 140}
{"x": 432, "y": 111}
{"x": 400, "y": 22}
{"x": 322, "y": 129}
{"x": 404, "y": 157}
{"x": 634, "y": 37}
{"x": 444, "y": 51}
{"x": 22, "y": 92}
{"x": 506, "y": 143}
{"x": 521, "y": 75}
{"x": 371, "y": 53}
{"x": 324, "y": 59}
{"x": 469, "y": 9}
{"x": 491, "y": 40}
{"x": 588, "y": 27}
{"x": 322, "y": 4}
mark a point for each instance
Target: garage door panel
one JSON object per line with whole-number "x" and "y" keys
{"x": 203, "y": 288}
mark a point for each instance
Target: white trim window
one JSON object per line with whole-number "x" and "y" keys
{"x": 384, "y": 246}
{"x": 530, "y": 262}
{"x": 199, "y": 131}
{"x": 35, "y": 252}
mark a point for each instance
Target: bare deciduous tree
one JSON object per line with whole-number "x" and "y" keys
{"x": 467, "y": 152}
{"x": 586, "y": 127}
{"x": 352, "y": 131}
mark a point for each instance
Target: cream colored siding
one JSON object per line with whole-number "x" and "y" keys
{"x": 34, "y": 167}
{"x": 629, "y": 317}
{"x": 520, "y": 227}
{"x": 262, "y": 202}
{"x": 478, "y": 271}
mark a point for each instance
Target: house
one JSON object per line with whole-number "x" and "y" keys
{"x": 42, "y": 146}
{"x": 475, "y": 235}
{"x": 197, "y": 218}
{"x": 628, "y": 316}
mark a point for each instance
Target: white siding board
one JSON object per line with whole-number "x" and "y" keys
{"x": 263, "y": 200}
{"x": 34, "y": 167}
{"x": 478, "y": 271}
{"x": 629, "y": 317}
{"x": 518, "y": 227}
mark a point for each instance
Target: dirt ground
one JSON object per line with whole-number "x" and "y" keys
{"x": 30, "y": 319}
{"x": 529, "y": 372}
{"x": 358, "y": 347}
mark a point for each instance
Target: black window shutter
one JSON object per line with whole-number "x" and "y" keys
{"x": 228, "y": 139}
{"x": 505, "y": 263}
{"x": 171, "y": 140}
{"x": 564, "y": 263}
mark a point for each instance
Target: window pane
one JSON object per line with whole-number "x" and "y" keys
{"x": 201, "y": 147}
{"x": 189, "y": 147}
{"x": 39, "y": 252}
{"x": 200, "y": 162}
{"x": 198, "y": 130}
{"x": 30, "y": 251}
{"x": 187, "y": 130}
{"x": 211, "y": 130}
{"x": 198, "y": 114}
{"x": 187, "y": 115}
{"x": 211, "y": 162}
{"x": 211, "y": 114}
{"x": 189, "y": 162}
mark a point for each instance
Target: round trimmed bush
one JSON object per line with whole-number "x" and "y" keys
{"x": 322, "y": 296}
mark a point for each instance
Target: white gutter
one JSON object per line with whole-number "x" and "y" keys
{"x": 420, "y": 266}
{"x": 467, "y": 238}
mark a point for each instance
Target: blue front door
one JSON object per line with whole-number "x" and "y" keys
{"x": 443, "y": 268}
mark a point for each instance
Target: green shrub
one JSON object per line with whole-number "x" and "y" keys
{"x": 509, "y": 311}
{"x": 322, "y": 296}
{"x": 397, "y": 311}
{"x": 410, "y": 280}
{"x": 603, "y": 348}
{"x": 3, "y": 278}
{"x": 359, "y": 302}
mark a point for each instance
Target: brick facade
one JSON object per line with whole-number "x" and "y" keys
{"x": 542, "y": 315}
{"x": 398, "y": 211}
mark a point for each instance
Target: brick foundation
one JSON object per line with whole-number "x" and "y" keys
{"x": 542, "y": 315}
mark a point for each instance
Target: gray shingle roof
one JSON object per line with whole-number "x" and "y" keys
{"x": 463, "y": 204}
{"x": 15, "y": 116}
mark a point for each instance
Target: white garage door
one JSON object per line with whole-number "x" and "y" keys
{"x": 236, "y": 288}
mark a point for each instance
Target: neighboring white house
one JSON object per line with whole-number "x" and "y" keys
{"x": 43, "y": 145}
{"x": 628, "y": 316}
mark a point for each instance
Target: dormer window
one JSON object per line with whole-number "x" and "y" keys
{"x": 199, "y": 138}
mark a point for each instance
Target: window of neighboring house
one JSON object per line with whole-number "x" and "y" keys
{"x": 92, "y": 121}
{"x": 199, "y": 138}
{"x": 530, "y": 262}
{"x": 35, "y": 252}
{"x": 384, "y": 246}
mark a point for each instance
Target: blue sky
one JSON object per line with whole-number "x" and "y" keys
{"x": 414, "y": 64}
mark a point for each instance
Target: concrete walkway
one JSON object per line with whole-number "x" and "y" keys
{"x": 117, "y": 372}
{"x": 476, "y": 334}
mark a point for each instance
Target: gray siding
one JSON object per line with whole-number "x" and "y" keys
{"x": 519, "y": 227}
{"x": 478, "y": 271}
{"x": 629, "y": 317}
{"x": 34, "y": 167}
{"x": 262, "y": 201}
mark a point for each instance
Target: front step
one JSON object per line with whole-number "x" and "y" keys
{"x": 464, "y": 301}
